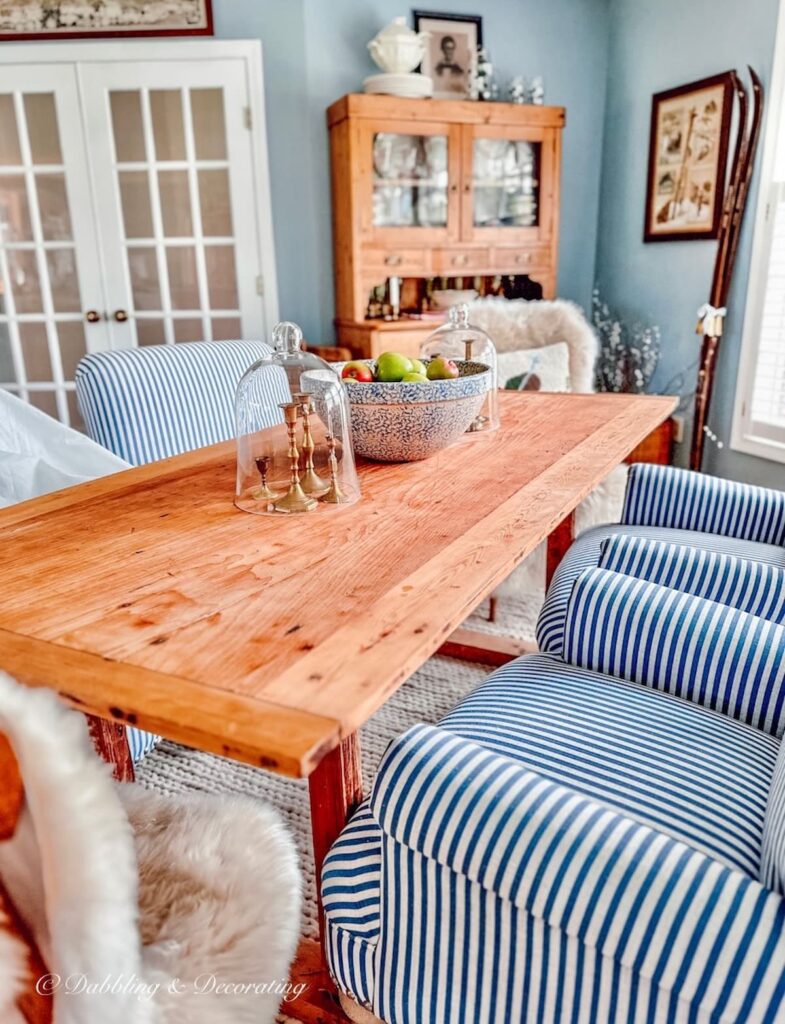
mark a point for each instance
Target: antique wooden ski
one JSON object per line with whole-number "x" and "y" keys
{"x": 712, "y": 315}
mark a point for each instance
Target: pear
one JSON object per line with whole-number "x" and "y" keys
{"x": 442, "y": 369}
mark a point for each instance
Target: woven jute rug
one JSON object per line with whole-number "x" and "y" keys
{"x": 425, "y": 697}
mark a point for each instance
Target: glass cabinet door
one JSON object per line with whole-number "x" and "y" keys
{"x": 410, "y": 180}
{"x": 505, "y": 183}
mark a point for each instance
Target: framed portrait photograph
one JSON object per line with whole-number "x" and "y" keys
{"x": 688, "y": 154}
{"x": 452, "y": 50}
{"x": 83, "y": 19}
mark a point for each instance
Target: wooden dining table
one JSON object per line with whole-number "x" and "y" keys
{"x": 146, "y": 598}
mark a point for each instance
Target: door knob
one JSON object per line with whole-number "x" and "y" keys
{"x": 120, "y": 316}
{"x": 92, "y": 316}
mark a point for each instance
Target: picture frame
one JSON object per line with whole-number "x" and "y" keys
{"x": 688, "y": 156}
{"x": 452, "y": 51}
{"x": 103, "y": 19}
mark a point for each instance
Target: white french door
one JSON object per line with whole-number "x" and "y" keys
{"x": 134, "y": 206}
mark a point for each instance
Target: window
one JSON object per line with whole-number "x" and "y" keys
{"x": 759, "y": 419}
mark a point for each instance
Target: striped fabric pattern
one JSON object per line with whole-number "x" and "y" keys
{"x": 674, "y": 766}
{"x": 161, "y": 400}
{"x": 740, "y": 583}
{"x": 685, "y": 500}
{"x": 506, "y": 897}
{"x": 586, "y": 551}
{"x": 772, "y": 856}
{"x": 351, "y": 886}
{"x": 698, "y": 650}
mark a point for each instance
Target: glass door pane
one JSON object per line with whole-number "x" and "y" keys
{"x": 505, "y": 183}
{"x": 176, "y": 201}
{"x": 48, "y": 262}
{"x": 410, "y": 180}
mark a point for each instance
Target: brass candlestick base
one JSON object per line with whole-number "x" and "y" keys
{"x": 263, "y": 493}
{"x": 334, "y": 495}
{"x": 295, "y": 499}
{"x": 310, "y": 480}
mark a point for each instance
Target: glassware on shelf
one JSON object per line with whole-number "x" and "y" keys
{"x": 460, "y": 339}
{"x": 505, "y": 182}
{"x": 409, "y": 180}
{"x": 294, "y": 441}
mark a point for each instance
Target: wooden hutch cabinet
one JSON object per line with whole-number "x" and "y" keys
{"x": 438, "y": 194}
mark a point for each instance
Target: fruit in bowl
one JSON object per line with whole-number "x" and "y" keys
{"x": 409, "y": 410}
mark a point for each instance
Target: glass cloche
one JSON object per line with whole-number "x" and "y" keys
{"x": 459, "y": 339}
{"x": 294, "y": 439}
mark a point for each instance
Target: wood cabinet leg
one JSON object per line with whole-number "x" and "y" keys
{"x": 558, "y": 543}
{"x": 111, "y": 743}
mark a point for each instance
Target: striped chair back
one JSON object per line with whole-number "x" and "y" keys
{"x": 150, "y": 403}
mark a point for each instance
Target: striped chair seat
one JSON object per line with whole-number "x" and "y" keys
{"x": 587, "y": 550}
{"x": 681, "y": 770}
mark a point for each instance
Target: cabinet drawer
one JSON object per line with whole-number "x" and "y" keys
{"x": 394, "y": 262}
{"x": 458, "y": 261}
{"x": 520, "y": 258}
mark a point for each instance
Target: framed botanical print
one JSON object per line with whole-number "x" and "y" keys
{"x": 83, "y": 19}
{"x": 688, "y": 154}
{"x": 451, "y": 52}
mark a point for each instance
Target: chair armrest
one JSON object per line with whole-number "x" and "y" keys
{"x": 742, "y": 583}
{"x": 679, "y": 920}
{"x": 683, "y": 500}
{"x": 699, "y": 650}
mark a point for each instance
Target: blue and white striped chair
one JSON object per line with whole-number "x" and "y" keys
{"x": 150, "y": 403}
{"x": 569, "y": 845}
{"x": 672, "y": 507}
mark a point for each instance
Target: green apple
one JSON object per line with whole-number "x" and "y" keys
{"x": 391, "y": 367}
{"x": 418, "y": 366}
{"x": 442, "y": 369}
{"x": 415, "y": 378}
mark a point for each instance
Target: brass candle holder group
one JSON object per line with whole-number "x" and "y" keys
{"x": 306, "y": 488}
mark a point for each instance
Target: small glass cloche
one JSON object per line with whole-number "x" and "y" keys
{"x": 294, "y": 438}
{"x": 458, "y": 339}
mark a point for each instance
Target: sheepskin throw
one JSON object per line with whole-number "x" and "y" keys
{"x": 190, "y": 904}
{"x": 516, "y": 324}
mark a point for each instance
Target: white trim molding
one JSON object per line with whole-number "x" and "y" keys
{"x": 745, "y": 436}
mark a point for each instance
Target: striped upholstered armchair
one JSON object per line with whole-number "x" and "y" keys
{"x": 722, "y": 519}
{"x": 596, "y": 835}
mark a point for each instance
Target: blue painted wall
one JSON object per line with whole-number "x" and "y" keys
{"x": 654, "y": 46}
{"x": 315, "y": 51}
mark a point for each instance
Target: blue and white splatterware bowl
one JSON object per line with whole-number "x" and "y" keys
{"x": 413, "y": 420}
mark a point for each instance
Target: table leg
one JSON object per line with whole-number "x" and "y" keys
{"x": 558, "y": 543}
{"x": 111, "y": 743}
{"x": 335, "y": 790}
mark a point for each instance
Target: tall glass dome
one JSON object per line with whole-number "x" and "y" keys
{"x": 459, "y": 339}
{"x": 294, "y": 439}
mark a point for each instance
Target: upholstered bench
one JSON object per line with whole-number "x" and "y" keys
{"x": 567, "y": 844}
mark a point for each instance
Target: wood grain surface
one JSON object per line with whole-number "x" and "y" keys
{"x": 147, "y": 597}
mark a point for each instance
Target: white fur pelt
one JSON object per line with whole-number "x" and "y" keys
{"x": 515, "y": 324}
{"x": 163, "y": 893}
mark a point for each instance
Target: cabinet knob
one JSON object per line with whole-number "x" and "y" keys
{"x": 120, "y": 316}
{"x": 393, "y": 260}
{"x": 467, "y": 188}
{"x": 460, "y": 260}
{"x": 92, "y": 316}
{"x": 523, "y": 257}
{"x": 453, "y": 187}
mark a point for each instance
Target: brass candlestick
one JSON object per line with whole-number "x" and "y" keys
{"x": 295, "y": 499}
{"x": 310, "y": 481}
{"x": 264, "y": 493}
{"x": 334, "y": 493}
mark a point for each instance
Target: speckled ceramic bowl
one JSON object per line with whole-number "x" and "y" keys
{"x": 410, "y": 421}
